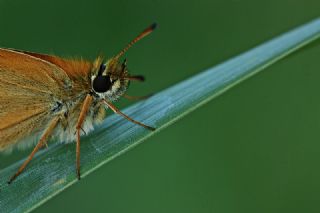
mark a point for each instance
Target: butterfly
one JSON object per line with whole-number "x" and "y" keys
{"x": 44, "y": 96}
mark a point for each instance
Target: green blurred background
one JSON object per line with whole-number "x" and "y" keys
{"x": 256, "y": 148}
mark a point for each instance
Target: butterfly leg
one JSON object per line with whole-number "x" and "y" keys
{"x": 116, "y": 110}
{"x": 41, "y": 142}
{"x": 83, "y": 113}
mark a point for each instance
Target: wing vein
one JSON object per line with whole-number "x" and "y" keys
{"x": 22, "y": 120}
{"x": 25, "y": 87}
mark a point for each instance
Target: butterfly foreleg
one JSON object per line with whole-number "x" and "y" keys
{"x": 41, "y": 142}
{"x": 83, "y": 113}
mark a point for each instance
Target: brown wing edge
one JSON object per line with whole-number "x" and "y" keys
{"x": 73, "y": 67}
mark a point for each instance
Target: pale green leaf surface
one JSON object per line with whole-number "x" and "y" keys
{"x": 53, "y": 170}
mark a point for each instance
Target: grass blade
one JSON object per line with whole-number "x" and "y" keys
{"x": 53, "y": 170}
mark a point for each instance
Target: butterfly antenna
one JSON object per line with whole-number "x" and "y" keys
{"x": 143, "y": 34}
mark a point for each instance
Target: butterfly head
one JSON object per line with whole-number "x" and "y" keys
{"x": 111, "y": 79}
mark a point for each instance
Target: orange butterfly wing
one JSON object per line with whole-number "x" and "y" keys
{"x": 29, "y": 88}
{"x": 77, "y": 70}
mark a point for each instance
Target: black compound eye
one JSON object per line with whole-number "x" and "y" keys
{"x": 101, "y": 83}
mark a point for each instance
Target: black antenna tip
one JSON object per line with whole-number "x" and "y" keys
{"x": 139, "y": 77}
{"x": 153, "y": 26}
